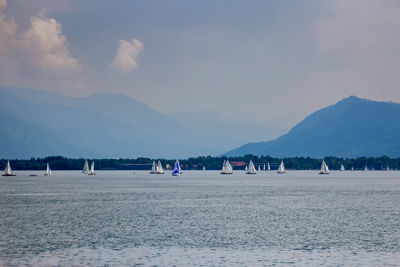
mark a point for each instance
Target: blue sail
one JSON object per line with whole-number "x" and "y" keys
{"x": 177, "y": 169}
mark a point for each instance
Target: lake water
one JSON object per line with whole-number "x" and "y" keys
{"x": 118, "y": 218}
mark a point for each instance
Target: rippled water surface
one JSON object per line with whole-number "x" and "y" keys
{"x": 200, "y": 218}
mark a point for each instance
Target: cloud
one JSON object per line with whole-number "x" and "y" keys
{"x": 37, "y": 56}
{"x": 46, "y": 49}
{"x": 363, "y": 39}
{"x": 126, "y": 57}
{"x": 8, "y": 42}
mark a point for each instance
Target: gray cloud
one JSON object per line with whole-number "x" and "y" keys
{"x": 364, "y": 37}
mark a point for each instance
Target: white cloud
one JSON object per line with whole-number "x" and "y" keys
{"x": 127, "y": 53}
{"x": 46, "y": 49}
{"x": 40, "y": 52}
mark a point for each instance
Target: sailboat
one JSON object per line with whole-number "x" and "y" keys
{"x": 259, "y": 169}
{"x": 85, "y": 167}
{"x": 352, "y": 168}
{"x": 246, "y": 168}
{"x": 177, "y": 169}
{"x": 91, "y": 172}
{"x": 269, "y": 167}
{"x": 252, "y": 169}
{"x": 7, "y": 170}
{"x": 48, "y": 170}
{"x": 153, "y": 168}
{"x": 387, "y": 168}
{"x": 227, "y": 167}
{"x": 264, "y": 167}
{"x": 204, "y": 168}
{"x": 281, "y": 169}
{"x": 342, "y": 167}
{"x": 324, "y": 168}
{"x": 366, "y": 168}
{"x": 159, "y": 168}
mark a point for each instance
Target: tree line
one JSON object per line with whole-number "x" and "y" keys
{"x": 209, "y": 162}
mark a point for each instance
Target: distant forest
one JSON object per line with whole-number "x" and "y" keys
{"x": 210, "y": 163}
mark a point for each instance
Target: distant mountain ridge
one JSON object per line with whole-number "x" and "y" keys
{"x": 353, "y": 127}
{"x": 39, "y": 123}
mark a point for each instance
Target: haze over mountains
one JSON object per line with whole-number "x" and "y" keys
{"x": 353, "y": 127}
{"x": 38, "y": 123}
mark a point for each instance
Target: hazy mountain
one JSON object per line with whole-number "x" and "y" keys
{"x": 212, "y": 128}
{"x": 353, "y": 127}
{"x": 38, "y": 123}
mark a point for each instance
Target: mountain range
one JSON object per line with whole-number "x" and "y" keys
{"x": 353, "y": 127}
{"x": 39, "y": 123}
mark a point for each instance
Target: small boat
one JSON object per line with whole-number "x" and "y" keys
{"x": 159, "y": 168}
{"x": 91, "y": 172}
{"x": 387, "y": 168}
{"x": 32, "y": 175}
{"x": 281, "y": 169}
{"x": 366, "y": 168}
{"x": 342, "y": 167}
{"x": 48, "y": 170}
{"x": 177, "y": 169}
{"x": 246, "y": 168}
{"x": 252, "y": 169}
{"x": 227, "y": 167}
{"x": 324, "y": 168}
{"x": 352, "y": 168}
{"x": 7, "y": 170}
{"x": 204, "y": 168}
{"x": 153, "y": 168}
{"x": 269, "y": 167}
{"x": 85, "y": 167}
{"x": 264, "y": 167}
{"x": 259, "y": 169}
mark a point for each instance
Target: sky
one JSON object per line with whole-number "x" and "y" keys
{"x": 271, "y": 62}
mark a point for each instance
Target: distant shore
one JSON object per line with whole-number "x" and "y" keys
{"x": 207, "y": 162}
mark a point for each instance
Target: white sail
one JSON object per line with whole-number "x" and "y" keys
{"x": 324, "y": 168}
{"x": 153, "y": 168}
{"x": 48, "y": 170}
{"x": 246, "y": 168}
{"x": 85, "y": 167}
{"x": 352, "y": 168}
{"x": 366, "y": 168}
{"x": 269, "y": 167}
{"x": 387, "y": 168}
{"x": 264, "y": 167}
{"x": 7, "y": 170}
{"x": 92, "y": 169}
{"x": 159, "y": 168}
{"x": 281, "y": 169}
{"x": 226, "y": 167}
{"x": 204, "y": 168}
{"x": 229, "y": 166}
{"x": 342, "y": 167}
{"x": 252, "y": 169}
{"x": 259, "y": 169}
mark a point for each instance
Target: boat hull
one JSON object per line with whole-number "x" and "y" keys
{"x": 251, "y": 173}
{"x": 8, "y": 174}
{"x": 323, "y": 173}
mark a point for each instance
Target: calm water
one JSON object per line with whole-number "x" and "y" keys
{"x": 200, "y": 218}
